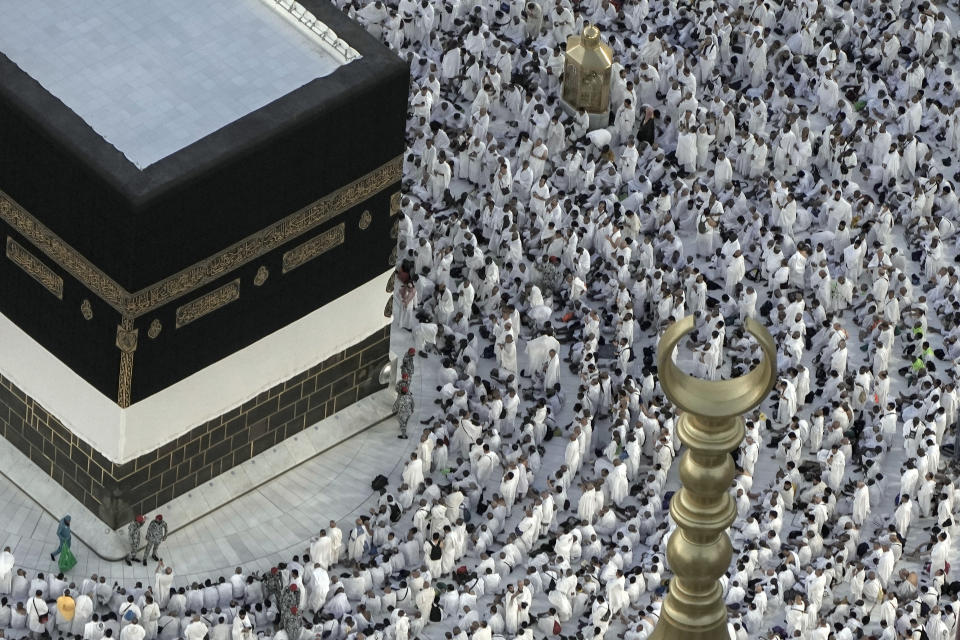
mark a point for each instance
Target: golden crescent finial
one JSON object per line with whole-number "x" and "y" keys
{"x": 710, "y": 427}
{"x": 716, "y": 398}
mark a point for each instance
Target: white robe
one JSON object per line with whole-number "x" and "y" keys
{"x": 687, "y": 150}
{"x": 861, "y": 505}
{"x": 6, "y": 571}
{"x": 836, "y": 470}
{"x": 723, "y": 173}
{"x": 413, "y": 473}
{"x": 242, "y": 628}
{"x": 319, "y": 586}
{"x": 938, "y": 557}
{"x": 735, "y": 272}
{"x": 796, "y": 618}
{"x": 162, "y": 588}
{"x": 195, "y": 630}
{"x": 619, "y": 485}
{"x": 538, "y": 160}
{"x": 628, "y": 163}
{"x": 617, "y": 595}
{"x": 552, "y": 374}
{"x": 36, "y": 607}
{"x": 507, "y": 358}
{"x": 439, "y": 180}
{"x": 149, "y": 619}
{"x": 538, "y": 351}
{"x": 133, "y": 632}
{"x": 82, "y": 612}
{"x": 508, "y": 489}
{"x": 322, "y": 551}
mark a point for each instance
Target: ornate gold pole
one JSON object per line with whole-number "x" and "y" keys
{"x": 699, "y": 550}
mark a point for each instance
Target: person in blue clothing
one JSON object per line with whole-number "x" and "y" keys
{"x": 63, "y": 533}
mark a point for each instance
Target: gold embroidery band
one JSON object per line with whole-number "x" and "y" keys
{"x": 34, "y": 268}
{"x": 208, "y": 303}
{"x": 264, "y": 241}
{"x": 127, "y": 343}
{"x": 63, "y": 254}
{"x": 313, "y": 248}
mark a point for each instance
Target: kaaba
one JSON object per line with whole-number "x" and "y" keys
{"x": 198, "y": 212}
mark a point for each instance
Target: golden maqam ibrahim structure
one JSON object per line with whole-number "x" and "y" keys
{"x": 586, "y": 76}
{"x": 710, "y": 425}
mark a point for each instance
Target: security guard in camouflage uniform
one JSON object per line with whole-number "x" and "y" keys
{"x": 403, "y": 405}
{"x": 288, "y": 601}
{"x": 407, "y": 366}
{"x": 133, "y": 535}
{"x": 550, "y": 274}
{"x": 272, "y": 585}
{"x": 292, "y": 623}
{"x": 156, "y": 533}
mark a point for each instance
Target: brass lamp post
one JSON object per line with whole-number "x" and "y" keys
{"x": 586, "y": 76}
{"x": 699, "y": 550}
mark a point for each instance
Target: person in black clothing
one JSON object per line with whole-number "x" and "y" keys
{"x": 646, "y": 131}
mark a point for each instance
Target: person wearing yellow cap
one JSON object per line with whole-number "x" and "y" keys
{"x": 66, "y": 607}
{"x": 133, "y": 536}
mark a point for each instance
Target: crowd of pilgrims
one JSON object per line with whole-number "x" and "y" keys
{"x": 789, "y": 162}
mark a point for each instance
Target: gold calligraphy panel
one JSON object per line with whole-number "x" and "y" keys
{"x": 314, "y": 247}
{"x": 208, "y": 303}
{"x": 34, "y": 268}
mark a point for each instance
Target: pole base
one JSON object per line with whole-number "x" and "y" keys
{"x": 597, "y": 120}
{"x": 665, "y": 630}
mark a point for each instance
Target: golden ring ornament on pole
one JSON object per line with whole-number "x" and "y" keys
{"x": 711, "y": 426}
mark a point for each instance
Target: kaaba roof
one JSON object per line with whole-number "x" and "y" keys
{"x": 153, "y": 77}
{"x": 140, "y": 225}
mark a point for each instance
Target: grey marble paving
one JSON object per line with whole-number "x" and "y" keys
{"x": 255, "y": 531}
{"x": 333, "y": 431}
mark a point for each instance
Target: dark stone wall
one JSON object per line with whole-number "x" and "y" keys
{"x": 115, "y": 492}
